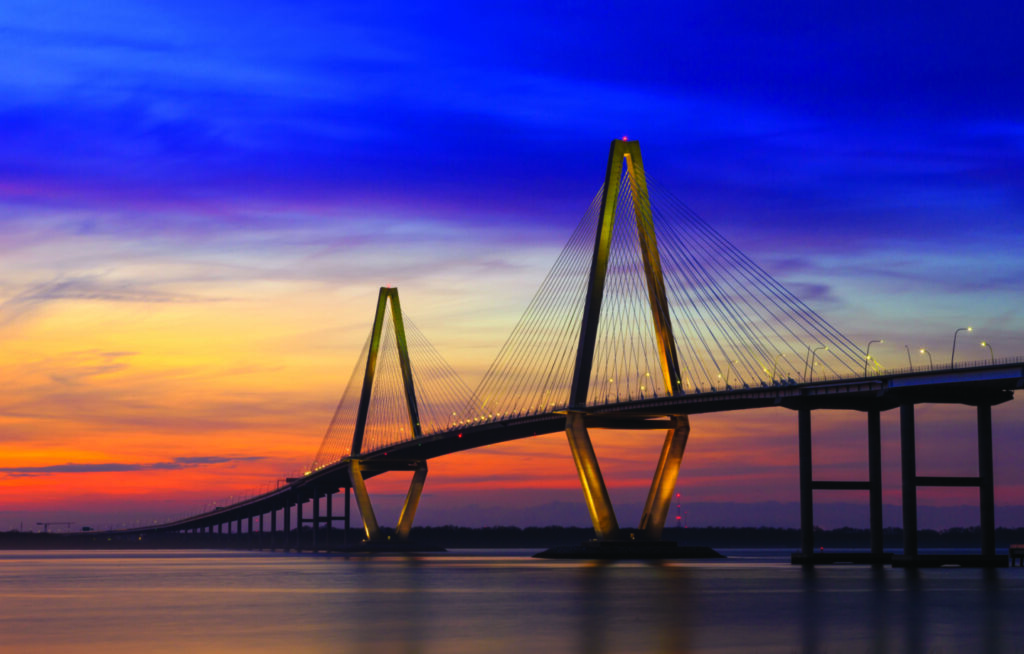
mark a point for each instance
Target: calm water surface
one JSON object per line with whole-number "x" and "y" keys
{"x": 209, "y": 601}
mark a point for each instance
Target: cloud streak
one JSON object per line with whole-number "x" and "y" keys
{"x": 177, "y": 463}
{"x": 90, "y": 289}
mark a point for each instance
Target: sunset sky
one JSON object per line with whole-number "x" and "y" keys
{"x": 199, "y": 201}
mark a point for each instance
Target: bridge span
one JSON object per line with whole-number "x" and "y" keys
{"x": 648, "y": 316}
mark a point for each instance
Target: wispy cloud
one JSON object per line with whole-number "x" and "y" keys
{"x": 87, "y": 288}
{"x": 177, "y": 463}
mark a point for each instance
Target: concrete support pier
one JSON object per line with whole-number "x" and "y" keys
{"x": 806, "y": 481}
{"x": 911, "y": 557}
{"x": 807, "y": 555}
{"x": 875, "y": 480}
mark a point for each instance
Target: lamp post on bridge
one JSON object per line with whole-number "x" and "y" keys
{"x": 727, "y": 371}
{"x": 910, "y": 363}
{"x": 990, "y": 352}
{"x": 931, "y": 364}
{"x": 953, "y": 353}
{"x": 867, "y": 358}
{"x": 775, "y": 365}
{"x": 813, "y": 357}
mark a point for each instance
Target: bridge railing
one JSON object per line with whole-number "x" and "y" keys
{"x": 878, "y": 371}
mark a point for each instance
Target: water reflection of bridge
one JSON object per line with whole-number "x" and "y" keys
{"x": 648, "y": 316}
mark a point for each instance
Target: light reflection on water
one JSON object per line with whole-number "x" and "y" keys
{"x": 488, "y": 602}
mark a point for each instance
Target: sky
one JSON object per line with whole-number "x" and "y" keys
{"x": 199, "y": 201}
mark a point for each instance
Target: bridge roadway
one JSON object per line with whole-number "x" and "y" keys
{"x": 974, "y": 385}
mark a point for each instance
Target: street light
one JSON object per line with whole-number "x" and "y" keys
{"x": 775, "y": 364}
{"x": 909, "y": 361}
{"x": 813, "y": 355}
{"x": 868, "y": 357}
{"x": 727, "y": 371}
{"x": 990, "y": 352}
{"x": 953, "y": 353}
{"x": 931, "y": 365}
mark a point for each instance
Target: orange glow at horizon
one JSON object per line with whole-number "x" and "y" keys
{"x": 168, "y": 407}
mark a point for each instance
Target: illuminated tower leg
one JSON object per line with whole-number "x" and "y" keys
{"x": 355, "y": 472}
{"x": 652, "y": 521}
{"x": 412, "y": 500}
{"x": 594, "y": 490}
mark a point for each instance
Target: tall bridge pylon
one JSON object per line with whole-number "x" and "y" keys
{"x": 625, "y": 163}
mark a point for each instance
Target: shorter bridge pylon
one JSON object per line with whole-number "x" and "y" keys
{"x": 357, "y": 467}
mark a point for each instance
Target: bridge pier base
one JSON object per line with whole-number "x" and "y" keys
{"x": 405, "y": 518}
{"x": 610, "y": 542}
{"x": 374, "y": 540}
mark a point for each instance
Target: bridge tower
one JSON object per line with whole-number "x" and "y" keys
{"x": 358, "y": 469}
{"x": 625, "y": 154}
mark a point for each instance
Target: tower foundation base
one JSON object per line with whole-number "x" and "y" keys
{"x": 628, "y": 550}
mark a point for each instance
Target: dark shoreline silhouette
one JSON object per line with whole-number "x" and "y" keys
{"x": 505, "y": 537}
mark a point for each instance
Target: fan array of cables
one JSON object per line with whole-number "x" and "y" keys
{"x": 732, "y": 324}
{"x": 439, "y": 392}
{"x": 533, "y": 370}
{"x": 735, "y": 325}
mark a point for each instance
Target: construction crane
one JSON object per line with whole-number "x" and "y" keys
{"x": 46, "y": 525}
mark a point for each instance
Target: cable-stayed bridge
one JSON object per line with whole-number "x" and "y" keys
{"x": 647, "y": 316}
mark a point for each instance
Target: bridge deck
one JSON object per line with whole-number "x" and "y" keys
{"x": 991, "y": 384}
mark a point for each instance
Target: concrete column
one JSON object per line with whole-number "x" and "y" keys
{"x": 806, "y": 478}
{"x": 330, "y": 521}
{"x": 602, "y": 515}
{"x": 273, "y": 529}
{"x": 986, "y": 490}
{"x": 909, "y": 474}
{"x": 659, "y": 498}
{"x": 287, "y": 520}
{"x": 412, "y": 500}
{"x": 348, "y": 513}
{"x": 298, "y": 525}
{"x": 875, "y": 480}
{"x": 316, "y": 521}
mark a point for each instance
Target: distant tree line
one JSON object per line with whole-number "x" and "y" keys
{"x": 453, "y": 537}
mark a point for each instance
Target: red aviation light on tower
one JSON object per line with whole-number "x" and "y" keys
{"x": 625, "y": 138}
